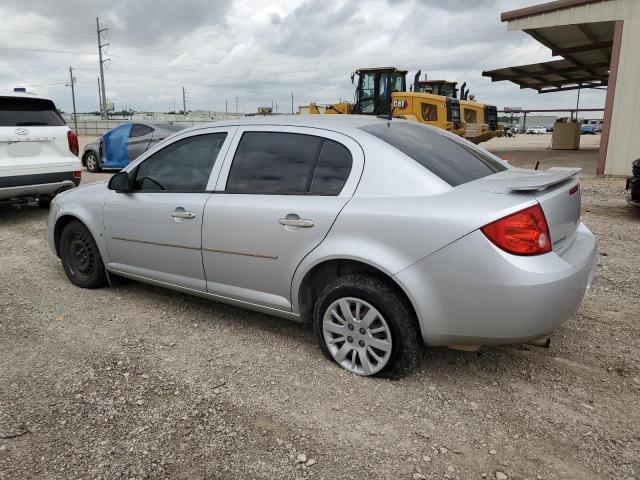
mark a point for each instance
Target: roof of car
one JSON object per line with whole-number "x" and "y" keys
{"x": 313, "y": 121}
{"x": 23, "y": 95}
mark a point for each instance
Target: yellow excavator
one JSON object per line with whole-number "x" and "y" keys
{"x": 383, "y": 91}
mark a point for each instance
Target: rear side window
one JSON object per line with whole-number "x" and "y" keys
{"x": 279, "y": 163}
{"x": 28, "y": 112}
{"x": 332, "y": 169}
{"x": 448, "y": 158}
{"x": 138, "y": 130}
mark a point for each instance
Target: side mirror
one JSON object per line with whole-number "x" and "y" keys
{"x": 120, "y": 182}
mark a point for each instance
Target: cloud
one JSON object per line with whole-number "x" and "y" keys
{"x": 259, "y": 51}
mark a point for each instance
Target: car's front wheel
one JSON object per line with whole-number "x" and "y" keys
{"x": 367, "y": 327}
{"x": 80, "y": 256}
{"x": 92, "y": 162}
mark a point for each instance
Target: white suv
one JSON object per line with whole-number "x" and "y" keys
{"x": 38, "y": 151}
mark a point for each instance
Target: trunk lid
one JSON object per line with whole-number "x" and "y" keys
{"x": 557, "y": 190}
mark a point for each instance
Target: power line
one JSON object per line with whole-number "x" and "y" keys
{"x": 45, "y": 50}
{"x": 46, "y": 33}
{"x": 33, "y": 84}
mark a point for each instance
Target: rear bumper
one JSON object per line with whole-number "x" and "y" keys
{"x": 35, "y": 185}
{"x": 471, "y": 292}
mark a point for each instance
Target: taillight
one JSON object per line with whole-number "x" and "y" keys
{"x": 72, "y": 138}
{"x": 574, "y": 189}
{"x": 522, "y": 233}
{"x": 77, "y": 174}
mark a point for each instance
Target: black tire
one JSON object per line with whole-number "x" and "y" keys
{"x": 80, "y": 256}
{"x": 407, "y": 342}
{"x": 92, "y": 162}
{"x": 44, "y": 201}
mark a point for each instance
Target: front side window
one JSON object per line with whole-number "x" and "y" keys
{"x": 367, "y": 92}
{"x": 397, "y": 82}
{"x": 279, "y": 163}
{"x": 183, "y": 166}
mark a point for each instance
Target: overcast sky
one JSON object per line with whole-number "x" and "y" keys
{"x": 260, "y": 51}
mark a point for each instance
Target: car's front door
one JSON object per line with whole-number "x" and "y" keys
{"x": 155, "y": 230}
{"x": 276, "y": 199}
{"x": 114, "y": 147}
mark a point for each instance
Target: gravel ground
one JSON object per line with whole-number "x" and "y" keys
{"x": 139, "y": 382}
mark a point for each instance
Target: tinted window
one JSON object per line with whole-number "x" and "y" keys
{"x": 25, "y": 112}
{"x": 138, "y": 130}
{"x": 470, "y": 116}
{"x": 184, "y": 165}
{"x": 273, "y": 163}
{"x": 448, "y": 158}
{"x": 332, "y": 169}
{"x": 429, "y": 112}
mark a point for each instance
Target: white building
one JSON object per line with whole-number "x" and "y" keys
{"x": 599, "y": 41}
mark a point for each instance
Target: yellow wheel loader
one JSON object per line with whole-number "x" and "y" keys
{"x": 383, "y": 91}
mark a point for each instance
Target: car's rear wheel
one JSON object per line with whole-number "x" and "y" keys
{"x": 80, "y": 256}
{"x": 367, "y": 327}
{"x": 92, "y": 162}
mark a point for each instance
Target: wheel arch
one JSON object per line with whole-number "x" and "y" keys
{"x": 62, "y": 222}
{"x": 323, "y": 272}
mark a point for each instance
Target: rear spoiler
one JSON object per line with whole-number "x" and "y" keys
{"x": 527, "y": 180}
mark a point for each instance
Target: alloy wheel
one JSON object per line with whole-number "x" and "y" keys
{"x": 357, "y": 335}
{"x": 92, "y": 162}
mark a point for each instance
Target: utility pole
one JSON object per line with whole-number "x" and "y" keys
{"x": 73, "y": 98}
{"x": 103, "y": 103}
{"x": 226, "y": 106}
{"x": 184, "y": 102}
{"x": 291, "y": 103}
{"x": 236, "y": 104}
{"x": 99, "y": 94}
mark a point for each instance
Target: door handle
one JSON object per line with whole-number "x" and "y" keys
{"x": 296, "y": 222}
{"x": 183, "y": 214}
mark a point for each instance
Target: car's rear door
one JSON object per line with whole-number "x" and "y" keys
{"x": 155, "y": 231}
{"x": 279, "y": 192}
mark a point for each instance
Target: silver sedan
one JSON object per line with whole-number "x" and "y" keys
{"x": 384, "y": 235}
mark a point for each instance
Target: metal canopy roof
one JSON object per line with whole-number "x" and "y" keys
{"x": 586, "y": 49}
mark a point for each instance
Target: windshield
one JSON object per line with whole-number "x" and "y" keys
{"x": 24, "y": 112}
{"x": 453, "y": 160}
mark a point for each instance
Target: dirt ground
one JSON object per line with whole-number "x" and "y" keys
{"x": 139, "y": 382}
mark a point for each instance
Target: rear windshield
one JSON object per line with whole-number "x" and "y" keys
{"x": 25, "y": 112}
{"x": 450, "y": 159}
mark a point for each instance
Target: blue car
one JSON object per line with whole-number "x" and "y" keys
{"x": 589, "y": 129}
{"x": 125, "y": 143}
